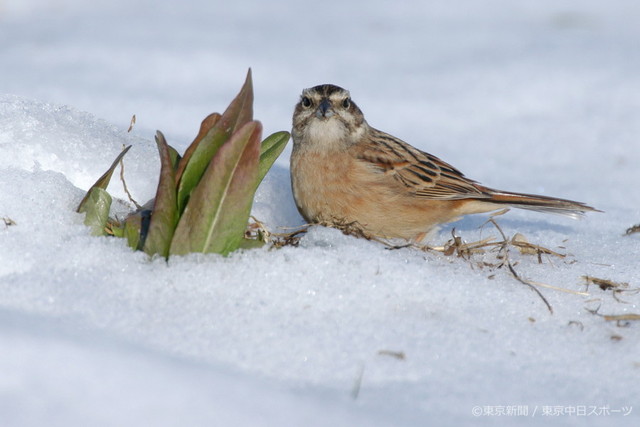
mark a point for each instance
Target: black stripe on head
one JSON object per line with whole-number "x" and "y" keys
{"x": 327, "y": 89}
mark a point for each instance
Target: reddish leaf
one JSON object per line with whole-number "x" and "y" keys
{"x": 165, "y": 211}
{"x": 217, "y": 213}
{"x": 237, "y": 114}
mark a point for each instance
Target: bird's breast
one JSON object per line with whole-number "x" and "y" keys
{"x": 320, "y": 185}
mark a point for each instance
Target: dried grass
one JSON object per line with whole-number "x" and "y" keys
{"x": 8, "y": 222}
{"x": 124, "y": 182}
{"x": 632, "y": 229}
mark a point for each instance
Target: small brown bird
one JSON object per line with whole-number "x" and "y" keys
{"x": 343, "y": 171}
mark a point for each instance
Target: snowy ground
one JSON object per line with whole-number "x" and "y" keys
{"x": 537, "y": 97}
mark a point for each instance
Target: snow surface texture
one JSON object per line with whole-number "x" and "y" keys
{"x": 539, "y": 97}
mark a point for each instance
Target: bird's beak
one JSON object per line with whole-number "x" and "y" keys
{"x": 324, "y": 109}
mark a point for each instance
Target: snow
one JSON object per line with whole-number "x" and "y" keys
{"x": 535, "y": 97}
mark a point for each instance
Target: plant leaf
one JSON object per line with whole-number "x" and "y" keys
{"x": 96, "y": 208}
{"x": 136, "y": 228}
{"x": 164, "y": 217}
{"x": 270, "y": 149}
{"x": 116, "y": 228}
{"x": 175, "y": 157}
{"x": 198, "y": 164}
{"x": 103, "y": 181}
{"x": 205, "y": 127}
{"x": 251, "y": 243}
{"x": 132, "y": 227}
{"x": 216, "y": 216}
{"x": 238, "y": 113}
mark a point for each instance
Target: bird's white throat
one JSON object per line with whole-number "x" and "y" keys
{"x": 326, "y": 135}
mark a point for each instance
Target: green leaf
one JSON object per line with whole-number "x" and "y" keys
{"x": 251, "y": 244}
{"x": 270, "y": 149}
{"x": 96, "y": 206}
{"x": 216, "y": 216}
{"x": 205, "y": 127}
{"x": 164, "y": 216}
{"x": 117, "y": 229}
{"x": 194, "y": 170}
{"x": 103, "y": 181}
{"x": 132, "y": 227}
{"x": 194, "y": 164}
{"x": 175, "y": 157}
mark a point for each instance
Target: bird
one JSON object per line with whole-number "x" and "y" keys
{"x": 346, "y": 172}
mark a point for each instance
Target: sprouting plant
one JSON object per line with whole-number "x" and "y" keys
{"x": 204, "y": 198}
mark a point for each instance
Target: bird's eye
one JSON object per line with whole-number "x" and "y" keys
{"x": 306, "y": 102}
{"x": 346, "y": 103}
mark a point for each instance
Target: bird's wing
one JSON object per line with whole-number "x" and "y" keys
{"x": 421, "y": 173}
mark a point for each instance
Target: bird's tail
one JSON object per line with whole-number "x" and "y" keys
{"x": 537, "y": 203}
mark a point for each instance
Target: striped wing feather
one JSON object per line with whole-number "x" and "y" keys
{"x": 423, "y": 174}
{"x": 426, "y": 176}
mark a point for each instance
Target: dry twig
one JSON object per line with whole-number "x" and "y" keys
{"x": 632, "y": 229}
{"x": 395, "y": 354}
{"x": 617, "y": 288}
{"x": 505, "y": 251}
{"x": 124, "y": 183}
{"x": 132, "y": 123}
{"x": 8, "y": 222}
{"x": 620, "y": 319}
